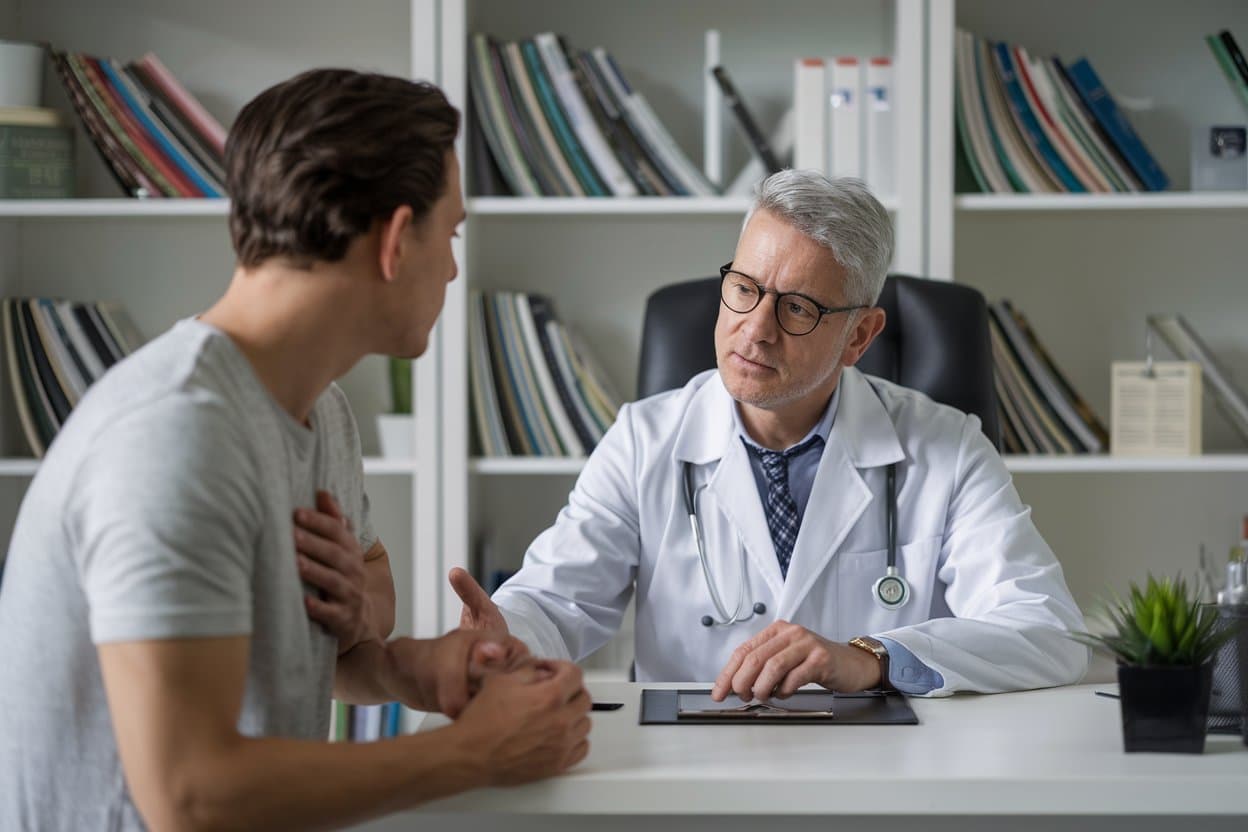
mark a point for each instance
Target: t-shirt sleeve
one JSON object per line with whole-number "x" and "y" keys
{"x": 165, "y": 518}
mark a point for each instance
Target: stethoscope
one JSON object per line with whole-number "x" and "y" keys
{"x": 891, "y": 590}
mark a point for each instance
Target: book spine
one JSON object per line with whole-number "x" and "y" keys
{"x": 1046, "y": 116}
{"x": 175, "y": 184}
{"x": 167, "y": 144}
{"x": 624, "y": 151}
{"x": 1097, "y": 98}
{"x": 614, "y": 178}
{"x": 1237, "y": 57}
{"x": 493, "y": 119}
{"x": 208, "y": 126}
{"x": 670, "y": 182}
{"x": 543, "y": 315}
{"x": 1227, "y": 64}
{"x": 19, "y": 377}
{"x": 810, "y": 144}
{"x": 759, "y": 145}
{"x": 551, "y": 157}
{"x": 1029, "y": 126}
{"x": 969, "y": 109}
{"x": 1000, "y": 128}
{"x": 575, "y": 155}
{"x": 519, "y": 438}
{"x": 877, "y": 111}
{"x": 845, "y": 117}
{"x": 58, "y": 403}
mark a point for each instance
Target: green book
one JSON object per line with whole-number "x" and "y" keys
{"x": 36, "y": 162}
{"x": 1223, "y": 57}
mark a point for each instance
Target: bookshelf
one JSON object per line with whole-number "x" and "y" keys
{"x": 165, "y": 258}
{"x": 1084, "y": 269}
{"x": 600, "y": 258}
{"x": 1087, "y": 269}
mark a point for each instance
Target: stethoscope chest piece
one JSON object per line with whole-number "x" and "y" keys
{"x": 891, "y": 591}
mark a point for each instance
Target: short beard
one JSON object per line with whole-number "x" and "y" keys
{"x": 780, "y": 398}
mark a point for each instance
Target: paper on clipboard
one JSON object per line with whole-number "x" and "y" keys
{"x": 701, "y": 705}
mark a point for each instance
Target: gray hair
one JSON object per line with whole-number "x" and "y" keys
{"x": 839, "y": 214}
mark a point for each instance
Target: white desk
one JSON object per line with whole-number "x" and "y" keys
{"x": 1032, "y": 760}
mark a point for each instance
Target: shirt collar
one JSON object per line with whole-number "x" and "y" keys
{"x": 821, "y": 429}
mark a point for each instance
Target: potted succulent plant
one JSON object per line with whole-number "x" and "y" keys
{"x": 394, "y": 429}
{"x": 1164, "y": 641}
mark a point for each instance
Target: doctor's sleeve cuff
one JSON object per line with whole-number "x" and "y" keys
{"x": 907, "y": 673}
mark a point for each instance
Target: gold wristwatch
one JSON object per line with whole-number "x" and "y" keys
{"x": 876, "y": 648}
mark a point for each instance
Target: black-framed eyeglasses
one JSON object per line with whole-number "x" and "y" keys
{"x": 796, "y": 313}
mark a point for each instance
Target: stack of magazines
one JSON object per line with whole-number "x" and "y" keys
{"x": 1040, "y": 412}
{"x": 1032, "y": 124}
{"x": 155, "y": 138}
{"x": 555, "y": 121}
{"x": 56, "y": 350}
{"x": 535, "y": 392}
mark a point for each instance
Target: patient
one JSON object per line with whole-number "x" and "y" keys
{"x": 171, "y": 638}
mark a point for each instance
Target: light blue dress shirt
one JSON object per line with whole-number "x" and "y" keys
{"x": 905, "y": 671}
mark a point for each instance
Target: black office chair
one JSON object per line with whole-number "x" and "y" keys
{"x": 935, "y": 341}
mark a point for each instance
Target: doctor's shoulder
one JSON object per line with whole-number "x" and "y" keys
{"x": 925, "y": 427}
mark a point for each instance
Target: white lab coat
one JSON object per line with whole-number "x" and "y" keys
{"x": 989, "y": 607}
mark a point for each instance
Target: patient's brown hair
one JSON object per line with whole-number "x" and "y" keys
{"x": 312, "y": 162}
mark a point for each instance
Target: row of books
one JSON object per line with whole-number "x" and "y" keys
{"x": 1231, "y": 61}
{"x": 1039, "y": 411}
{"x": 56, "y": 350}
{"x": 365, "y": 723}
{"x": 534, "y": 389}
{"x": 843, "y": 109}
{"x": 156, "y": 139}
{"x": 1034, "y": 125}
{"x": 558, "y": 121}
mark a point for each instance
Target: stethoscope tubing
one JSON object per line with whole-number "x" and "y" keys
{"x": 726, "y": 619}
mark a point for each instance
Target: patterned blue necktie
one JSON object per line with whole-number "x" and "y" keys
{"x": 783, "y": 520}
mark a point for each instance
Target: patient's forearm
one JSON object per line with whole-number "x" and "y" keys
{"x": 293, "y": 784}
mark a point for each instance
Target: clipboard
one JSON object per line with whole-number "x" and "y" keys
{"x": 806, "y": 707}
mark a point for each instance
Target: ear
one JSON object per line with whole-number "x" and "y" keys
{"x": 394, "y": 241}
{"x": 869, "y": 324}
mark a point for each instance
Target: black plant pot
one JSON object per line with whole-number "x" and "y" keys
{"x": 1165, "y": 708}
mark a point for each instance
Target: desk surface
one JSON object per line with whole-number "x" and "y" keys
{"x": 1047, "y": 752}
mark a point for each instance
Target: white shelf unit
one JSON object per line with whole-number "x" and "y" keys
{"x": 599, "y": 258}
{"x": 733, "y": 206}
{"x": 1199, "y": 201}
{"x": 169, "y": 258}
{"x": 1084, "y": 269}
{"x": 105, "y": 207}
{"x": 1087, "y": 269}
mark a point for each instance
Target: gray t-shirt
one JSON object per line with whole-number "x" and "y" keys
{"x": 163, "y": 510}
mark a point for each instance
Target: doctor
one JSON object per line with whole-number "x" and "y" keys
{"x": 784, "y": 454}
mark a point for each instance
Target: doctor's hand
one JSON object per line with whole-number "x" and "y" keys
{"x": 528, "y": 724}
{"x": 479, "y": 612}
{"x": 443, "y": 674}
{"x": 783, "y": 657}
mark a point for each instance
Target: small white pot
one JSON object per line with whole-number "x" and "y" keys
{"x": 396, "y": 431}
{"x": 21, "y": 74}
